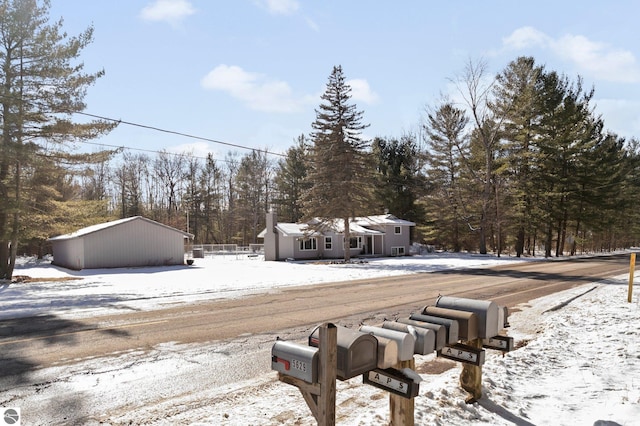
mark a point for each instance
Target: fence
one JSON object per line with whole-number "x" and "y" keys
{"x": 212, "y": 250}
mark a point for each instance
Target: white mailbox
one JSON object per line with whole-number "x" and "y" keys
{"x": 406, "y": 342}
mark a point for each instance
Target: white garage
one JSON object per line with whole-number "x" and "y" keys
{"x": 134, "y": 241}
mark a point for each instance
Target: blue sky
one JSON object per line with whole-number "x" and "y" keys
{"x": 251, "y": 72}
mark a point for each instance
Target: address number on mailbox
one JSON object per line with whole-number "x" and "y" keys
{"x": 299, "y": 365}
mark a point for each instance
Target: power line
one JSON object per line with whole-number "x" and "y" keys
{"x": 174, "y": 132}
{"x": 157, "y": 129}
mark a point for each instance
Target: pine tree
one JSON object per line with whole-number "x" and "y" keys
{"x": 448, "y": 150}
{"x": 339, "y": 167}
{"x": 291, "y": 182}
{"x": 515, "y": 101}
{"x": 41, "y": 86}
{"x": 399, "y": 181}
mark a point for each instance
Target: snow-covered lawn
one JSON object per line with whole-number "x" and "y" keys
{"x": 575, "y": 365}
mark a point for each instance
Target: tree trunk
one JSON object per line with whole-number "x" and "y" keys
{"x": 520, "y": 241}
{"x": 347, "y": 241}
{"x": 547, "y": 245}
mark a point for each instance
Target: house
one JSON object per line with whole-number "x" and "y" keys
{"x": 134, "y": 241}
{"x": 382, "y": 235}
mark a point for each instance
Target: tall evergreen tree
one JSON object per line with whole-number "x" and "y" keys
{"x": 339, "y": 171}
{"x": 399, "y": 181}
{"x": 290, "y": 181}
{"x": 565, "y": 135}
{"x": 211, "y": 186}
{"x": 447, "y": 157}
{"x": 41, "y": 86}
{"x": 253, "y": 189}
{"x": 515, "y": 100}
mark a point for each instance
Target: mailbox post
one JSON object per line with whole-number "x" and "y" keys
{"x": 320, "y": 396}
{"x": 471, "y": 376}
{"x": 402, "y": 409}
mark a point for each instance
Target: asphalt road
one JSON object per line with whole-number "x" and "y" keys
{"x": 29, "y": 343}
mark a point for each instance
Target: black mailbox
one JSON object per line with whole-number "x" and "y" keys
{"x": 357, "y": 351}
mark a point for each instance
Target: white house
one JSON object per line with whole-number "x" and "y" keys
{"x": 134, "y": 241}
{"x": 381, "y": 235}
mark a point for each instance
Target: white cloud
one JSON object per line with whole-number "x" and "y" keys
{"x": 254, "y": 89}
{"x": 525, "y": 37}
{"x": 602, "y": 60}
{"x": 598, "y": 59}
{"x": 620, "y": 116}
{"x": 280, "y": 7}
{"x": 171, "y": 11}
{"x": 199, "y": 149}
{"x": 361, "y": 91}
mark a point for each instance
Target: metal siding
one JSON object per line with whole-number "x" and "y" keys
{"x": 135, "y": 243}
{"x": 69, "y": 253}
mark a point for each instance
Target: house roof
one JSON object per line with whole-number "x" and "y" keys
{"x": 317, "y": 227}
{"x": 337, "y": 226}
{"x": 382, "y": 219}
{"x": 101, "y": 226}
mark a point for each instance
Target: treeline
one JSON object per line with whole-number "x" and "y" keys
{"x": 527, "y": 165}
{"x": 524, "y": 166}
{"x": 514, "y": 163}
{"x": 518, "y": 162}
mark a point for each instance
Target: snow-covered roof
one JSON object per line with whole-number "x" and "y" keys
{"x": 295, "y": 229}
{"x": 101, "y": 226}
{"x": 337, "y": 226}
{"x": 382, "y": 219}
{"x": 357, "y": 226}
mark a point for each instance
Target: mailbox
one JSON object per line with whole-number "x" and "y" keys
{"x": 467, "y": 321}
{"x": 406, "y": 342}
{"x": 295, "y": 360}
{"x": 387, "y": 352}
{"x": 487, "y": 312}
{"x": 439, "y": 329}
{"x": 450, "y": 325}
{"x": 357, "y": 351}
{"x": 425, "y": 338}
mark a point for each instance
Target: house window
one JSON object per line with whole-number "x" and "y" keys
{"x": 397, "y": 251}
{"x": 328, "y": 243}
{"x": 355, "y": 242}
{"x": 308, "y": 244}
{"x": 397, "y": 230}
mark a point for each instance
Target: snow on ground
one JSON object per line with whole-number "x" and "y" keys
{"x": 578, "y": 363}
{"x": 225, "y": 276}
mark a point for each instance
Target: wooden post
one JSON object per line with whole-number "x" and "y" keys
{"x": 328, "y": 347}
{"x": 402, "y": 409}
{"x": 321, "y": 396}
{"x": 471, "y": 376}
{"x": 632, "y": 267}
